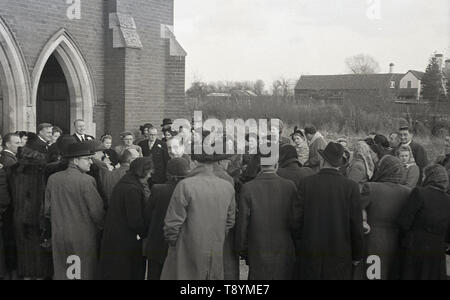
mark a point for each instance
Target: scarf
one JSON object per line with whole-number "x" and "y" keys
{"x": 436, "y": 176}
{"x": 316, "y": 136}
{"x": 390, "y": 169}
{"x": 363, "y": 152}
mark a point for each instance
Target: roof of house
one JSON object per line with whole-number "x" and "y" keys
{"x": 418, "y": 74}
{"x": 347, "y": 82}
{"x": 234, "y": 93}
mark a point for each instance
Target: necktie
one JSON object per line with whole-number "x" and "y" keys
{"x": 82, "y": 138}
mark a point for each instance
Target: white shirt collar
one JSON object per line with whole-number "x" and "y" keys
{"x": 9, "y": 151}
{"x": 42, "y": 139}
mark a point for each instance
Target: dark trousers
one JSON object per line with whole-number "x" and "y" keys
{"x": 154, "y": 270}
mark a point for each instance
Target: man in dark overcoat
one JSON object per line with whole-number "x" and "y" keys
{"x": 155, "y": 212}
{"x": 157, "y": 150}
{"x": 263, "y": 233}
{"x": 327, "y": 221}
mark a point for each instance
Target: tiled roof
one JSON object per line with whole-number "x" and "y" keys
{"x": 418, "y": 74}
{"x": 348, "y": 82}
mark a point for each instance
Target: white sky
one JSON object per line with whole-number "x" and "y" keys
{"x": 233, "y": 40}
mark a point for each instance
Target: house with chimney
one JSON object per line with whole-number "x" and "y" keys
{"x": 334, "y": 89}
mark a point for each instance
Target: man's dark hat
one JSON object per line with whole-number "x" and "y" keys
{"x": 96, "y": 146}
{"x": 166, "y": 122}
{"x": 288, "y": 155}
{"x": 64, "y": 142}
{"x": 178, "y": 167}
{"x": 79, "y": 150}
{"x": 334, "y": 154}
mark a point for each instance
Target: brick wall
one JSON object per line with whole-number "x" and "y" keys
{"x": 175, "y": 87}
{"x": 35, "y": 22}
{"x": 131, "y": 84}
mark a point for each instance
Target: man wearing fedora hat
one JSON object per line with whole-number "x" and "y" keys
{"x": 76, "y": 212}
{"x": 263, "y": 235}
{"x": 327, "y": 221}
{"x": 200, "y": 213}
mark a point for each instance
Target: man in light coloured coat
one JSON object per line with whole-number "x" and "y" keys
{"x": 200, "y": 213}
{"x": 77, "y": 215}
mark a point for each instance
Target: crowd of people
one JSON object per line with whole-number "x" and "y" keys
{"x": 146, "y": 209}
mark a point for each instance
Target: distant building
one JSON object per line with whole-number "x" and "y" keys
{"x": 234, "y": 96}
{"x": 411, "y": 86}
{"x": 336, "y": 88}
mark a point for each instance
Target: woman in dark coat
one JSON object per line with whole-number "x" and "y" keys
{"x": 425, "y": 222}
{"x": 383, "y": 199}
{"x": 28, "y": 194}
{"x": 121, "y": 256}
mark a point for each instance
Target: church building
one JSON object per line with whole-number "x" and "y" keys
{"x": 114, "y": 63}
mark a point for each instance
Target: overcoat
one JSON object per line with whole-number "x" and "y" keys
{"x": 357, "y": 171}
{"x": 7, "y": 159}
{"x": 420, "y": 156}
{"x": 200, "y": 213}
{"x": 425, "y": 223}
{"x": 384, "y": 202}
{"x": 313, "y": 161}
{"x": 230, "y": 256}
{"x": 155, "y": 212}
{"x": 27, "y": 182}
{"x": 263, "y": 227}
{"x": 295, "y": 173}
{"x": 412, "y": 176}
{"x": 5, "y": 201}
{"x": 327, "y": 221}
{"x": 121, "y": 256}
{"x": 160, "y": 156}
{"x": 77, "y": 216}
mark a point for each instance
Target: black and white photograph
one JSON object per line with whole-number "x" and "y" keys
{"x": 224, "y": 145}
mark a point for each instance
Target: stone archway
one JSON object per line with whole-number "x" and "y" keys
{"x": 79, "y": 80}
{"x": 14, "y": 84}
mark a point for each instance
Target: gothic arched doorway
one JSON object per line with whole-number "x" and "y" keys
{"x": 61, "y": 50}
{"x": 53, "y": 98}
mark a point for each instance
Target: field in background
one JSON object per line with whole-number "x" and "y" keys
{"x": 353, "y": 120}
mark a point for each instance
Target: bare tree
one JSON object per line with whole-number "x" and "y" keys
{"x": 362, "y": 64}
{"x": 282, "y": 87}
{"x": 259, "y": 87}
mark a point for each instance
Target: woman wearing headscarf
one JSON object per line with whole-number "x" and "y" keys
{"x": 383, "y": 199}
{"x": 301, "y": 145}
{"x": 425, "y": 224}
{"x": 412, "y": 171}
{"x": 362, "y": 167}
{"x": 121, "y": 256}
